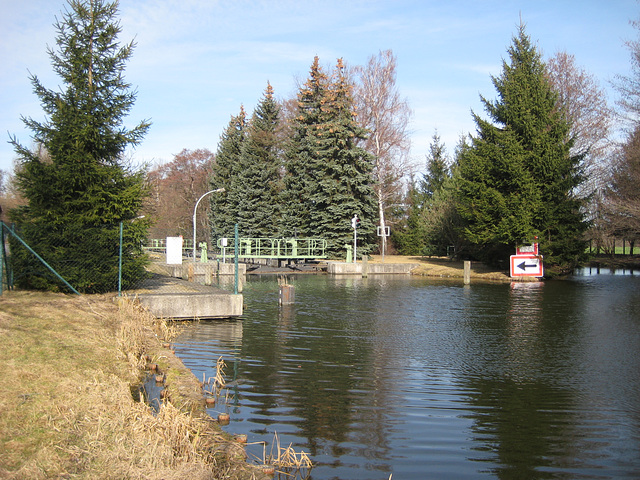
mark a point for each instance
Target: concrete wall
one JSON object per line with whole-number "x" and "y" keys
{"x": 168, "y": 305}
{"x": 210, "y": 269}
{"x": 343, "y": 268}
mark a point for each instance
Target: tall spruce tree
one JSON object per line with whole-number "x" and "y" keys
{"x": 224, "y": 211}
{"x": 329, "y": 178}
{"x": 259, "y": 173}
{"x": 418, "y": 238}
{"x": 344, "y": 186}
{"x": 302, "y": 159}
{"x": 76, "y": 178}
{"x": 518, "y": 179}
{"x": 437, "y": 167}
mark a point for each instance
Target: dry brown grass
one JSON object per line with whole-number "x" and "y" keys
{"x": 445, "y": 268}
{"x": 66, "y": 404}
{"x": 288, "y": 462}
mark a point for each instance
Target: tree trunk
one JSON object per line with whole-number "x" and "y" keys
{"x": 382, "y": 226}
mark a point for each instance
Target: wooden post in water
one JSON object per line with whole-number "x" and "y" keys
{"x": 287, "y": 295}
{"x": 287, "y": 292}
{"x": 467, "y": 272}
{"x": 365, "y": 266}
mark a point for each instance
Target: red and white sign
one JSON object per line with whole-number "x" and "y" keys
{"x": 527, "y": 249}
{"x": 526, "y": 266}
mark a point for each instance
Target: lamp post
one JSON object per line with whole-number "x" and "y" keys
{"x": 355, "y": 223}
{"x": 218, "y": 190}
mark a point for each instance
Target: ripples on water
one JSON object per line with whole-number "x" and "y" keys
{"x": 431, "y": 379}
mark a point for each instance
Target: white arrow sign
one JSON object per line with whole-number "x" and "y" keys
{"x": 526, "y": 265}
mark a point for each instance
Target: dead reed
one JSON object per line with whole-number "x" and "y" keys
{"x": 287, "y": 460}
{"x": 66, "y": 404}
{"x": 213, "y": 386}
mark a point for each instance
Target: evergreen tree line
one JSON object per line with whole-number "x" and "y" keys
{"x": 515, "y": 182}
{"x": 306, "y": 177}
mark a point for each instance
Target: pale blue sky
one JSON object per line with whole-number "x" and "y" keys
{"x": 197, "y": 61}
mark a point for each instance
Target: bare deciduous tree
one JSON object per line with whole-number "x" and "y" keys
{"x": 585, "y": 106}
{"x": 10, "y": 195}
{"x": 622, "y": 205}
{"x": 629, "y": 86}
{"x": 386, "y": 115}
{"x": 175, "y": 188}
{"x": 623, "y": 194}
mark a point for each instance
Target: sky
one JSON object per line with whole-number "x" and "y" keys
{"x": 197, "y": 61}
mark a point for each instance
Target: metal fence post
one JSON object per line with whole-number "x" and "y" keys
{"x": 120, "y": 264}
{"x": 1, "y": 257}
{"x": 41, "y": 260}
{"x": 235, "y": 250}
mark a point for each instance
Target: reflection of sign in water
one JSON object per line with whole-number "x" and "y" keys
{"x": 526, "y": 266}
{"x": 174, "y": 250}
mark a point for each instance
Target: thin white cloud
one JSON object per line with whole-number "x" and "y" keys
{"x": 197, "y": 61}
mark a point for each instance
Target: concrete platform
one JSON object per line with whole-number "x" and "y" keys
{"x": 169, "y": 297}
{"x": 198, "y": 270}
{"x": 368, "y": 268}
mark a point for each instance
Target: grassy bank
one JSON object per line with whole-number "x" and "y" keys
{"x": 70, "y": 365}
{"x": 616, "y": 261}
{"x": 445, "y": 268}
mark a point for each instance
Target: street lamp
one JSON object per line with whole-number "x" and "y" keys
{"x": 219, "y": 190}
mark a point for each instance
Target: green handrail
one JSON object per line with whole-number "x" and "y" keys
{"x": 277, "y": 248}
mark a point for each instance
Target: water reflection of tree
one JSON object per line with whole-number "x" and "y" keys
{"x": 316, "y": 355}
{"x": 521, "y": 398}
{"x": 334, "y": 359}
{"x": 521, "y": 424}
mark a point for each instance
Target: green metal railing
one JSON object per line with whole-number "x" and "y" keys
{"x": 277, "y": 248}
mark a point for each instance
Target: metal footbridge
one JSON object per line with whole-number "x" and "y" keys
{"x": 255, "y": 248}
{"x": 275, "y": 248}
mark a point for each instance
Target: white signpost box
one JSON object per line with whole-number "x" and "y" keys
{"x": 174, "y": 250}
{"x": 355, "y": 223}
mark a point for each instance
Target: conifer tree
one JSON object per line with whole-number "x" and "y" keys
{"x": 518, "y": 179}
{"x": 302, "y": 160}
{"x": 437, "y": 167}
{"x": 329, "y": 178}
{"x": 344, "y": 186}
{"x": 418, "y": 238}
{"x": 410, "y": 237}
{"x": 258, "y": 177}
{"x": 224, "y": 210}
{"x": 77, "y": 178}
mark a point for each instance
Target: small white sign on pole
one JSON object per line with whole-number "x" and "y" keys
{"x": 386, "y": 232}
{"x": 174, "y": 250}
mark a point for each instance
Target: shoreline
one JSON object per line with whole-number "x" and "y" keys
{"x": 73, "y": 365}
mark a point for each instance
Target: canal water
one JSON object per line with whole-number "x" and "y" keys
{"x": 427, "y": 378}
